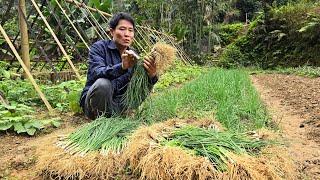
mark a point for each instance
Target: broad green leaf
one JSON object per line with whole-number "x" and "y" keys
{"x": 12, "y": 107}
{"x": 56, "y": 123}
{"x": 90, "y": 32}
{"x": 33, "y": 124}
{"x": 5, "y": 113}
{"x": 31, "y": 131}
{"x": 14, "y": 119}
{"x": 6, "y": 74}
{"x": 18, "y": 127}
{"x": 308, "y": 26}
{"x": 106, "y": 6}
{"x": 94, "y": 3}
{"x": 37, "y": 124}
{"x": 5, "y": 126}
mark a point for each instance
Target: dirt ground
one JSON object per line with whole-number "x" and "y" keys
{"x": 18, "y": 152}
{"x": 294, "y": 103}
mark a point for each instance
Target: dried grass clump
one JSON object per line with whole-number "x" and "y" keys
{"x": 273, "y": 163}
{"x": 144, "y": 144}
{"x": 175, "y": 163}
{"x": 164, "y": 55}
{"x": 55, "y": 163}
{"x": 248, "y": 167}
{"x": 279, "y": 160}
{"x": 147, "y": 138}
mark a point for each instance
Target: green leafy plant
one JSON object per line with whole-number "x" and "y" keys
{"x": 4, "y": 74}
{"x": 64, "y": 96}
{"x": 229, "y": 32}
{"x": 178, "y": 74}
{"x": 232, "y": 57}
{"x": 284, "y": 36}
{"x": 19, "y": 118}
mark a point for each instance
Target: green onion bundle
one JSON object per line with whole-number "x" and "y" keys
{"x": 139, "y": 86}
{"x": 103, "y": 134}
{"x": 213, "y": 144}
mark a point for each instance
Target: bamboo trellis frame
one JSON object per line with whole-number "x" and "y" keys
{"x": 142, "y": 41}
{"x": 56, "y": 39}
{"x": 25, "y": 68}
{"x": 141, "y": 30}
{"x": 72, "y": 24}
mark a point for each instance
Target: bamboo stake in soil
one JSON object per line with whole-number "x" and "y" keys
{"x": 24, "y": 35}
{"x": 42, "y": 96}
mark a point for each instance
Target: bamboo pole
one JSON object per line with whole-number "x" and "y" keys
{"x": 56, "y": 39}
{"x": 74, "y": 27}
{"x": 29, "y": 76}
{"x": 24, "y": 35}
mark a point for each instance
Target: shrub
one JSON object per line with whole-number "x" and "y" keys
{"x": 232, "y": 57}
{"x": 288, "y": 36}
{"x": 229, "y": 32}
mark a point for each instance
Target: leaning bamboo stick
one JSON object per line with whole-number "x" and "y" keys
{"x": 96, "y": 22}
{"x": 56, "y": 39}
{"x": 74, "y": 27}
{"x": 42, "y": 96}
{"x": 91, "y": 23}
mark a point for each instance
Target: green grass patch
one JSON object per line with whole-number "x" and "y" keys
{"x": 227, "y": 94}
{"x": 305, "y": 71}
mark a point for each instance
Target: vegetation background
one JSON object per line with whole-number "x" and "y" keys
{"x": 281, "y": 35}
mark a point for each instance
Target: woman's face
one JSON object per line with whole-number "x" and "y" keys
{"x": 123, "y": 34}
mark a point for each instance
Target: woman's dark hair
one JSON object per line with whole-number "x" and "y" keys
{"x": 119, "y": 16}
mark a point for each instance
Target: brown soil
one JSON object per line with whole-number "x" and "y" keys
{"x": 18, "y": 152}
{"x": 294, "y": 103}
